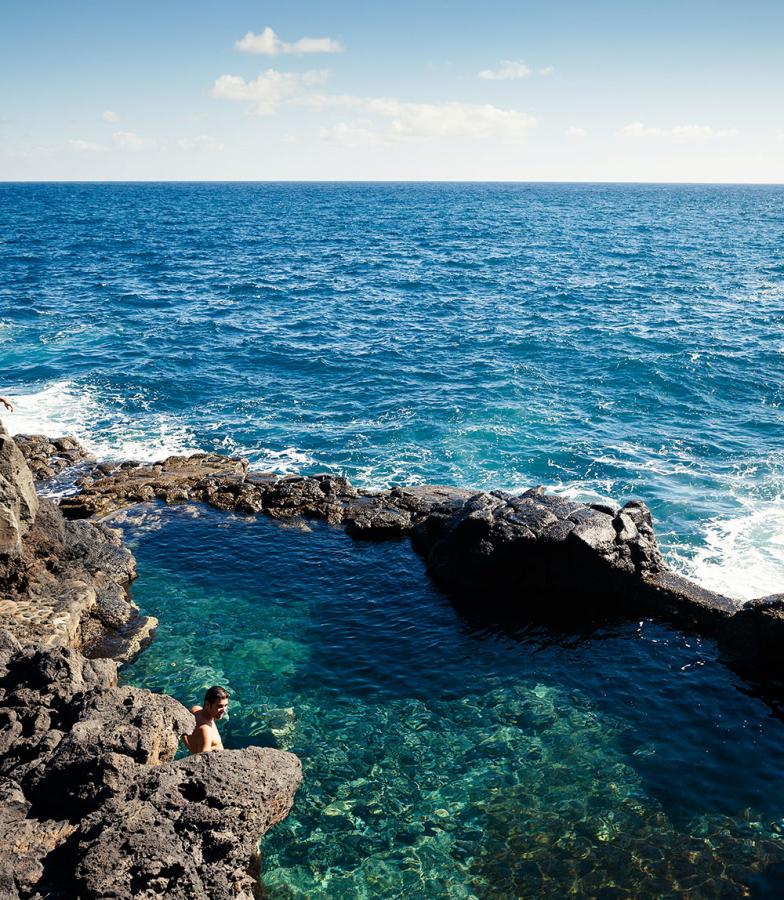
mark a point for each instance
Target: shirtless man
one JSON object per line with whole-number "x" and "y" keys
{"x": 205, "y": 736}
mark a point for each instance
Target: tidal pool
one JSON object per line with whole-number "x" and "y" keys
{"x": 445, "y": 756}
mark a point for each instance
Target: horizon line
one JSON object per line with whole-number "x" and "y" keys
{"x": 384, "y": 181}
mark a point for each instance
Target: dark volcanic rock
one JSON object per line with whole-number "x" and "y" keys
{"x": 373, "y": 518}
{"x": 48, "y": 457}
{"x": 91, "y": 803}
{"x": 529, "y": 550}
{"x": 62, "y": 582}
{"x": 188, "y": 829}
{"x": 171, "y": 480}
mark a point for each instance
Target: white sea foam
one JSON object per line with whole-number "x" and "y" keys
{"x": 65, "y": 408}
{"x": 743, "y": 555}
{"x": 289, "y": 461}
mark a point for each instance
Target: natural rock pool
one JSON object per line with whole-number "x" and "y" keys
{"x": 445, "y": 756}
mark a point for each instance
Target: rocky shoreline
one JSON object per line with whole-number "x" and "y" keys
{"x": 93, "y": 804}
{"x": 523, "y": 556}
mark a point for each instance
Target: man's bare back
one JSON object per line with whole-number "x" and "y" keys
{"x": 205, "y": 736}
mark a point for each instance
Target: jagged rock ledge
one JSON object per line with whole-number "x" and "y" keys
{"x": 92, "y": 802}
{"x": 62, "y": 582}
{"x": 92, "y": 805}
{"x": 519, "y": 555}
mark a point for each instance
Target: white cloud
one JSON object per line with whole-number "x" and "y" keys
{"x": 575, "y": 133}
{"x": 351, "y": 134}
{"x": 128, "y": 140}
{"x": 701, "y": 132}
{"x": 202, "y": 143}
{"x": 121, "y": 141}
{"x": 638, "y": 131}
{"x": 269, "y": 44}
{"x": 87, "y": 147}
{"x": 508, "y": 70}
{"x": 428, "y": 122}
{"x": 269, "y": 90}
{"x": 109, "y": 115}
{"x": 405, "y": 121}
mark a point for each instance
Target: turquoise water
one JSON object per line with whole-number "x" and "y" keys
{"x": 448, "y": 757}
{"x": 604, "y": 340}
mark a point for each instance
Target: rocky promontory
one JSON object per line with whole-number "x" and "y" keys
{"x": 92, "y": 802}
{"x": 93, "y": 805}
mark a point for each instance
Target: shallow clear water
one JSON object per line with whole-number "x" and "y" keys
{"x": 447, "y": 757}
{"x": 621, "y": 340}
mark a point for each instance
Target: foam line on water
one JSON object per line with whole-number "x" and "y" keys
{"x": 288, "y": 461}
{"x": 65, "y": 408}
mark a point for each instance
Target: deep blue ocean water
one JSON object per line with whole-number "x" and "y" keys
{"x": 605, "y": 341}
{"x": 612, "y": 340}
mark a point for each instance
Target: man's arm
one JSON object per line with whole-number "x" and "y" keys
{"x": 7, "y": 404}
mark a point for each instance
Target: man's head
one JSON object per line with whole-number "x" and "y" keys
{"x": 216, "y": 701}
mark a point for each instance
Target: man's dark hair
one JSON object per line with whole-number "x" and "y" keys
{"x": 214, "y": 694}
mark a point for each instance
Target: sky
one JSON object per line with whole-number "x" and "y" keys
{"x": 597, "y": 90}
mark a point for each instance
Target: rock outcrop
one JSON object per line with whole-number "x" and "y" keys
{"x": 48, "y": 458}
{"x": 18, "y": 500}
{"x": 517, "y": 555}
{"x": 62, "y": 583}
{"x": 92, "y": 803}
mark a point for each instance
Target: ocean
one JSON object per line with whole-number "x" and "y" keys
{"x": 606, "y": 341}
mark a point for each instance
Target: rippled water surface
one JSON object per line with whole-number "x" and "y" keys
{"x": 447, "y": 757}
{"x": 603, "y": 340}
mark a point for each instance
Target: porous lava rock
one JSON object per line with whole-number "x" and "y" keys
{"x": 92, "y": 803}
{"x": 47, "y": 457}
{"x": 188, "y": 829}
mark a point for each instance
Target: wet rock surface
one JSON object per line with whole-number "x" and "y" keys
{"x": 91, "y": 803}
